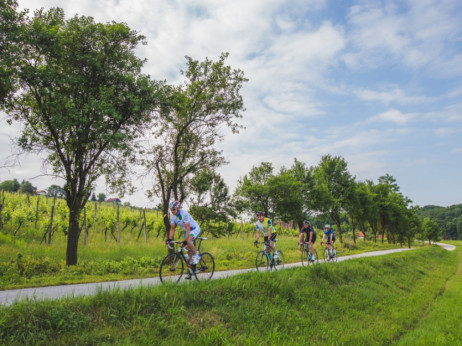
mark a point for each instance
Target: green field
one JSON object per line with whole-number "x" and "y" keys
{"x": 409, "y": 298}
{"x": 31, "y": 264}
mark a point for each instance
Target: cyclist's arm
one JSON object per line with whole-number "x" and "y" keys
{"x": 257, "y": 235}
{"x": 311, "y": 236}
{"x": 300, "y": 238}
{"x": 330, "y": 237}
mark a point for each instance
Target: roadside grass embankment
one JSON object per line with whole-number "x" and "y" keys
{"x": 376, "y": 300}
{"x": 442, "y": 324}
{"x": 32, "y": 264}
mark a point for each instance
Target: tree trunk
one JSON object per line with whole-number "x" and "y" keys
{"x": 73, "y": 236}
{"x": 36, "y": 212}
{"x": 118, "y": 225}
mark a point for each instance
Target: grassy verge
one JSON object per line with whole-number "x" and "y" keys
{"x": 443, "y": 323}
{"x": 31, "y": 264}
{"x": 366, "y": 301}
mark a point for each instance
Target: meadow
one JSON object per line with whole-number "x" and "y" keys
{"x": 402, "y": 298}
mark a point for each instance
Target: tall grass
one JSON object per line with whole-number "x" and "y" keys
{"x": 366, "y": 301}
{"x": 31, "y": 264}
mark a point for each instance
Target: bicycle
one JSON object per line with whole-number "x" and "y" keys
{"x": 330, "y": 255}
{"x": 265, "y": 260}
{"x": 308, "y": 257}
{"x": 172, "y": 266}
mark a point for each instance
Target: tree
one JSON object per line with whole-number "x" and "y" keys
{"x": 93, "y": 197}
{"x": 189, "y": 124}
{"x": 252, "y": 192}
{"x": 333, "y": 184}
{"x": 213, "y": 209}
{"x": 56, "y": 191}
{"x": 430, "y": 230}
{"x": 10, "y": 185}
{"x": 83, "y": 101}
{"x": 11, "y": 32}
{"x": 101, "y": 197}
{"x": 27, "y": 188}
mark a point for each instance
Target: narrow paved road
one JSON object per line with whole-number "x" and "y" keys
{"x": 56, "y": 292}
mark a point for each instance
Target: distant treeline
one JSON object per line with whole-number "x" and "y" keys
{"x": 449, "y": 219}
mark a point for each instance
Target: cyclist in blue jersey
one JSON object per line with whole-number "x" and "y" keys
{"x": 180, "y": 217}
{"x": 329, "y": 233}
{"x": 265, "y": 226}
{"x": 310, "y": 237}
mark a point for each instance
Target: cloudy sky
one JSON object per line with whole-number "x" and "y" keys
{"x": 376, "y": 82}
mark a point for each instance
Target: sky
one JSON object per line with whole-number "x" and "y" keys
{"x": 378, "y": 83}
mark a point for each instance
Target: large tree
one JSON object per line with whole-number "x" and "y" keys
{"x": 11, "y": 33}
{"x": 82, "y": 101}
{"x": 189, "y": 124}
{"x": 333, "y": 184}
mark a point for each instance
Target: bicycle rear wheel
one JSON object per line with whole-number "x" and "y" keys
{"x": 205, "y": 268}
{"x": 262, "y": 262}
{"x": 279, "y": 262}
{"x": 171, "y": 269}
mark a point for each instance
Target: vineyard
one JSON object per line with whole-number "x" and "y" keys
{"x": 115, "y": 242}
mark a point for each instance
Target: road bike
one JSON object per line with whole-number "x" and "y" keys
{"x": 308, "y": 258}
{"x": 173, "y": 265}
{"x": 329, "y": 254}
{"x": 265, "y": 260}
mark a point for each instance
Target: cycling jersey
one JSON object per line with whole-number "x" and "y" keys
{"x": 181, "y": 219}
{"x": 308, "y": 231}
{"x": 328, "y": 233}
{"x": 265, "y": 226}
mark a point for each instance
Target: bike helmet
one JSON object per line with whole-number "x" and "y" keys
{"x": 175, "y": 205}
{"x": 327, "y": 226}
{"x": 260, "y": 213}
{"x": 306, "y": 222}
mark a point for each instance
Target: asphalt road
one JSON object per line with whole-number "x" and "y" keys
{"x": 55, "y": 292}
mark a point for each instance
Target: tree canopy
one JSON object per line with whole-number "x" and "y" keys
{"x": 83, "y": 110}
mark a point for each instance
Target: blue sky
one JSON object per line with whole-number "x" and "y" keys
{"x": 376, "y": 82}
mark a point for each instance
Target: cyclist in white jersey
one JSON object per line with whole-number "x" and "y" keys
{"x": 180, "y": 217}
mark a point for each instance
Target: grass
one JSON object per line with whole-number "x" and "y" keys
{"x": 442, "y": 325}
{"x": 378, "y": 300}
{"x": 31, "y": 264}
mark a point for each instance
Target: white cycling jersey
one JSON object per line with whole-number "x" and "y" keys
{"x": 182, "y": 218}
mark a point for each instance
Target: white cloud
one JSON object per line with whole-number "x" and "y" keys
{"x": 394, "y": 116}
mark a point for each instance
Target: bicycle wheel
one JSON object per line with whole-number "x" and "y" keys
{"x": 206, "y": 267}
{"x": 326, "y": 255}
{"x": 304, "y": 257}
{"x": 172, "y": 268}
{"x": 278, "y": 263}
{"x": 262, "y": 262}
{"x": 315, "y": 254}
{"x": 334, "y": 255}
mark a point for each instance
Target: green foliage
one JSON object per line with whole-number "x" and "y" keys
{"x": 449, "y": 219}
{"x": 189, "y": 124}
{"x": 10, "y": 185}
{"x": 387, "y": 295}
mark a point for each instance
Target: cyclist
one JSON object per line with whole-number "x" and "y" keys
{"x": 266, "y": 227}
{"x": 180, "y": 217}
{"x": 310, "y": 237}
{"x": 329, "y": 233}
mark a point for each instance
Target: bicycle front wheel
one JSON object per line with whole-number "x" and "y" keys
{"x": 262, "y": 262}
{"x": 334, "y": 255}
{"x": 278, "y": 263}
{"x": 206, "y": 267}
{"x": 304, "y": 257}
{"x": 315, "y": 255}
{"x": 171, "y": 268}
{"x": 326, "y": 255}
